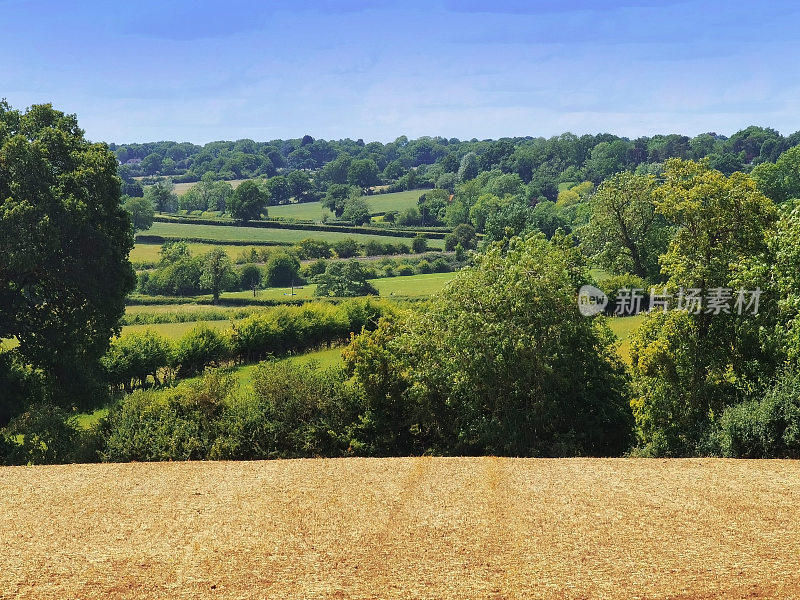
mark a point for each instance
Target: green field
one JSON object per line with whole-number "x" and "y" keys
{"x": 412, "y": 285}
{"x": 226, "y": 233}
{"x": 175, "y": 330}
{"x": 622, "y": 328}
{"x": 378, "y": 203}
{"x": 149, "y": 253}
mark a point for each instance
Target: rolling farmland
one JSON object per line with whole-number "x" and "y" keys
{"x": 402, "y": 528}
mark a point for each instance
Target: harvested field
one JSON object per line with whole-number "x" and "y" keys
{"x": 403, "y": 528}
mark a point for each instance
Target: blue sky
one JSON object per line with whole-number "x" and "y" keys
{"x": 201, "y": 71}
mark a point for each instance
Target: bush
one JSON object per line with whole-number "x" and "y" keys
{"x": 282, "y": 269}
{"x": 424, "y": 266}
{"x": 177, "y": 424}
{"x": 21, "y": 386}
{"x": 373, "y": 248}
{"x": 295, "y": 411}
{"x": 315, "y": 268}
{"x": 311, "y": 248}
{"x": 420, "y": 243}
{"x": 46, "y": 436}
{"x": 135, "y": 356}
{"x": 346, "y": 248}
{"x": 440, "y": 265}
{"x": 405, "y": 269}
{"x": 197, "y": 349}
{"x": 769, "y": 428}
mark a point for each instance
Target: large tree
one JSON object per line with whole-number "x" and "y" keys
{"x": 625, "y": 233}
{"x": 690, "y": 364}
{"x": 64, "y": 242}
{"x": 500, "y": 362}
{"x": 247, "y": 201}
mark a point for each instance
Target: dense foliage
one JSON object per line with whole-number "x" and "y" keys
{"x": 64, "y": 243}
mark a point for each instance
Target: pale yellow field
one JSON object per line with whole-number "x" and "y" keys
{"x": 403, "y": 528}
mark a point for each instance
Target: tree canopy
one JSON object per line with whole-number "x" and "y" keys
{"x": 64, "y": 239}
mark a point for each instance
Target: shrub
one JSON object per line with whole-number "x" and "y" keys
{"x": 312, "y": 248}
{"x": 315, "y": 268}
{"x": 135, "y": 356}
{"x": 46, "y": 436}
{"x": 346, "y": 248}
{"x": 420, "y": 243}
{"x": 769, "y": 428}
{"x": 424, "y": 266}
{"x": 282, "y": 269}
{"x": 181, "y": 423}
{"x": 295, "y": 411}
{"x": 198, "y": 348}
{"x": 373, "y": 248}
{"x": 405, "y": 269}
{"x": 440, "y": 265}
{"x": 21, "y": 386}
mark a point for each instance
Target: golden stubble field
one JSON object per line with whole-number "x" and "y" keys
{"x": 435, "y": 528}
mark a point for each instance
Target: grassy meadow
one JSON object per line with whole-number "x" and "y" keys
{"x": 143, "y": 253}
{"x": 378, "y": 203}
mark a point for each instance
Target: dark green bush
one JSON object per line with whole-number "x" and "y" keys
{"x": 43, "y": 435}
{"x": 176, "y": 424}
{"x": 295, "y": 411}
{"x": 20, "y": 386}
{"x": 769, "y": 428}
{"x": 282, "y": 269}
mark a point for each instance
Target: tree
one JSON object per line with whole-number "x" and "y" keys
{"x": 278, "y": 190}
{"x": 393, "y": 170}
{"x": 469, "y": 167}
{"x": 780, "y": 181}
{"x": 282, "y": 269}
{"x": 141, "y": 212}
{"x": 300, "y": 186}
{"x": 420, "y": 243}
{"x": 625, "y": 233}
{"x": 218, "y": 273}
{"x": 250, "y": 277}
{"x": 64, "y": 242}
{"x": 337, "y": 196}
{"x": 500, "y": 362}
{"x": 247, "y": 201}
{"x": 344, "y": 279}
{"x": 162, "y": 196}
{"x": 357, "y": 210}
{"x": 363, "y": 173}
{"x": 690, "y": 365}
{"x": 464, "y": 235}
